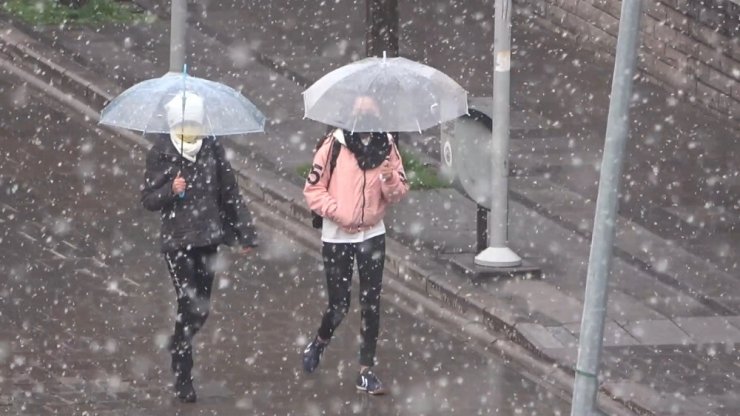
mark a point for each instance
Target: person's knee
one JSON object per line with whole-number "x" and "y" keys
{"x": 197, "y": 311}
{"x": 337, "y": 319}
{"x": 202, "y": 311}
{"x": 370, "y": 300}
{"x": 338, "y": 311}
{"x": 341, "y": 309}
{"x": 371, "y": 307}
{"x": 203, "y": 316}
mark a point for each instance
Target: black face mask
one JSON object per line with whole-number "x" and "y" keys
{"x": 373, "y": 154}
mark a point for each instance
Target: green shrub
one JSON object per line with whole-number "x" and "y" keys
{"x": 421, "y": 176}
{"x": 303, "y": 169}
{"x": 51, "y": 12}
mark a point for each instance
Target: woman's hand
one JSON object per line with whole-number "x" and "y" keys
{"x": 386, "y": 171}
{"x": 179, "y": 185}
{"x": 341, "y": 220}
{"x": 247, "y": 250}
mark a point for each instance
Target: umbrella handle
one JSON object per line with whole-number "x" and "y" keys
{"x": 184, "y": 76}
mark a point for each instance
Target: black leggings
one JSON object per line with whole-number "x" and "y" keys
{"x": 338, "y": 262}
{"x": 192, "y": 275}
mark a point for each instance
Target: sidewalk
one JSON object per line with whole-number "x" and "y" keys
{"x": 671, "y": 333}
{"x": 87, "y": 305}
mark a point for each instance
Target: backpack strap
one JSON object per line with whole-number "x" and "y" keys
{"x": 336, "y": 147}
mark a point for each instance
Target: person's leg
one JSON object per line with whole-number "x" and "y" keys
{"x": 338, "y": 259}
{"x": 182, "y": 267}
{"x": 182, "y": 271}
{"x": 338, "y": 262}
{"x": 370, "y": 262}
{"x": 205, "y": 259}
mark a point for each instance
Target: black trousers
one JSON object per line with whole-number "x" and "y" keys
{"x": 192, "y": 275}
{"x": 339, "y": 261}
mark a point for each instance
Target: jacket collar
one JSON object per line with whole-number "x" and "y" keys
{"x": 338, "y": 135}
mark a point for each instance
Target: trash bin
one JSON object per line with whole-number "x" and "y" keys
{"x": 466, "y": 162}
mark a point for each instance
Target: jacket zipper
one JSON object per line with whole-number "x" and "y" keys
{"x": 364, "y": 181}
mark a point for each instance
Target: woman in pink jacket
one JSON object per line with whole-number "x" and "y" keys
{"x": 352, "y": 199}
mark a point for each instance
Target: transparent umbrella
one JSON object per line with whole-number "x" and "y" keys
{"x": 385, "y": 94}
{"x": 143, "y": 106}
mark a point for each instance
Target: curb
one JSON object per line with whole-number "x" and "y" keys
{"x": 476, "y": 314}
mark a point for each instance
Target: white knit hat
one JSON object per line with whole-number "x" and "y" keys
{"x": 193, "y": 112}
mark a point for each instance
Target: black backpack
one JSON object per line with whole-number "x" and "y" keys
{"x": 317, "y": 221}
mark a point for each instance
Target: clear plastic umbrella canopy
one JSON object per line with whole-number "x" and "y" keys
{"x": 385, "y": 94}
{"x": 143, "y": 107}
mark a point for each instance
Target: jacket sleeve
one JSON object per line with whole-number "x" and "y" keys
{"x": 237, "y": 221}
{"x": 316, "y": 189}
{"x": 156, "y": 194}
{"x": 395, "y": 188}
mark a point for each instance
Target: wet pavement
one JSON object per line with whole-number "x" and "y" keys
{"x": 669, "y": 347}
{"x": 86, "y": 304}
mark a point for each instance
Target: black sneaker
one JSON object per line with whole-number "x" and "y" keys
{"x": 312, "y": 355}
{"x": 368, "y": 382}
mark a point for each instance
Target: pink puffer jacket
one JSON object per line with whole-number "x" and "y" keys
{"x": 355, "y": 199}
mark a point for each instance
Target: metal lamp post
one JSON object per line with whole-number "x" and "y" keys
{"x": 381, "y": 27}
{"x": 498, "y": 254}
{"x": 178, "y": 28}
{"x": 600, "y": 259}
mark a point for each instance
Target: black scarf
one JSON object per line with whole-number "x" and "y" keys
{"x": 368, "y": 156}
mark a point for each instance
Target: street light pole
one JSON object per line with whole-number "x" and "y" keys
{"x": 381, "y": 27}
{"x": 600, "y": 258}
{"x": 178, "y": 27}
{"x": 381, "y": 31}
{"x": 498, "y": 254}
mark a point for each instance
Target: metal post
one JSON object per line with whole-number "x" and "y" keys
{"x": 178, "y": 27}
{"x": 600, "y": 258}
{"x": 498, "y": 254}
{"x": 381, "y": 31}
{"x": 381, "y": 27}
{"x": 481, "y": 229}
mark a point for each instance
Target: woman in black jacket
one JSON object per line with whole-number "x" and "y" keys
{"x": 192, "y": 185}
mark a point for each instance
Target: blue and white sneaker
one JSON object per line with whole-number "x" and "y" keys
{"x": 312, "y": 355}
{"x": 368, "y": 382}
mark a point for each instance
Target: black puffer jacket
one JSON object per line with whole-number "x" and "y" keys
{"x": 212, "y": 211}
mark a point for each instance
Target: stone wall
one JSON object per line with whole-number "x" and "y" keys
{"x": 691, "y": 46}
